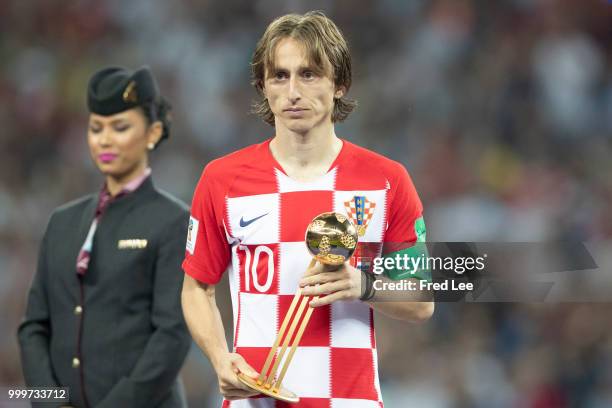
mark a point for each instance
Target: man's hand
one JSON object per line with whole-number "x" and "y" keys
{"x": 343, "y": 283}
{"x": 229, "y": 385}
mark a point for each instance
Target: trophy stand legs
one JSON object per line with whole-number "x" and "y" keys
{"x": 267, "y": 382}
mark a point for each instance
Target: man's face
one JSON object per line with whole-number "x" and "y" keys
{"x": 300, "y": 95}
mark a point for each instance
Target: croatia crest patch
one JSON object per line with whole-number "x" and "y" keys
{"x": 360, "y": 210}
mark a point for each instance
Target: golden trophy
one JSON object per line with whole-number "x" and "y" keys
{"x": 331, "y": 238}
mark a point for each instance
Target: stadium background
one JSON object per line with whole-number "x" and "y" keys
{"x": 501, "y": 111}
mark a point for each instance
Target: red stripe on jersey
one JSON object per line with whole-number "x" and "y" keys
{"x": 305, "y": 403}
{"x": 250, "y": 170}
{"x": 361, "y": 169}
{"x": 226, "y": 222}
{"x": 352, "y": 373}
{"x": 298, "y": 209}
{"x": 255, "y": 356}
{"x": 253, "y": 180}
{"x": 317, "y": 332}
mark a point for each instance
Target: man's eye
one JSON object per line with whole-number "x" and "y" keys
{"x": 95, "y": 129}
{"x": 308, "y": 75}
{"x": 280, "y": 75}
{"x": 122, "y": 128}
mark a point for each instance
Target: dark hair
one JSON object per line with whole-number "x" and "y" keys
{"x": 159, "y": 109}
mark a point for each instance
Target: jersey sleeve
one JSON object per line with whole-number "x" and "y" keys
{"x": 405, "y": 224}
{"x": 207, "y": 252}
{"x": 405, "y": 234}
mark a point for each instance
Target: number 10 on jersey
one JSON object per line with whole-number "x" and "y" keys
{"x": 256, "y": 267}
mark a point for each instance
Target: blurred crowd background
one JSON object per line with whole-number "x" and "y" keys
{"x": 500, "y": 110}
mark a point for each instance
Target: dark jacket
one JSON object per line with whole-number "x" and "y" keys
{"x": 116, "y": 337}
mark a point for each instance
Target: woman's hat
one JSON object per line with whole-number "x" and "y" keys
{"x": 115, "y": 89}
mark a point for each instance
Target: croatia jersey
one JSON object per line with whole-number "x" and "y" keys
{"x": 249, "y": 218}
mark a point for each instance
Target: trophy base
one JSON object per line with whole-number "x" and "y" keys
{"x": 283, "y": 394}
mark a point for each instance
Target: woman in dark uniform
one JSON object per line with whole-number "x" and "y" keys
{"x": 103, "y": 315}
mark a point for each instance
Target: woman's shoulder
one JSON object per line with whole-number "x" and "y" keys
{"x": 75, "y": 206}
{"x": 162, "y": 211}
{"x": 69, "y": 213}
{"x": 168, "y": 203}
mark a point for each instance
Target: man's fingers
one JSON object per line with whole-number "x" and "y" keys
{"x": 235, "y": 393}
{"x": 326, "y": 300}
{"x": 326, "y": 288}
{"x": 232, "y": 385}
{"x": 313, "y": 268}
{"x": 322, "y": 277}
{"x": 245, "y": 368}
{"x": 236, "y": 388}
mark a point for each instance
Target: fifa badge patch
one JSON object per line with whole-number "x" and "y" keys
{"x": 192, "y": 234}
{"x": 360, "y": 210}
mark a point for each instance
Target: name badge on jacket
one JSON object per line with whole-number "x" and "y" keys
{"x": 132, "y": 244}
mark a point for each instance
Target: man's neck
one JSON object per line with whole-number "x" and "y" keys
{"x": 306, "y": 156}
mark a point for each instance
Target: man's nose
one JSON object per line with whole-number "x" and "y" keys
{"x": 295, "y": 93}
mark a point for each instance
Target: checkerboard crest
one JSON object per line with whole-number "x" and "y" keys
{"x": 360, "y": 210}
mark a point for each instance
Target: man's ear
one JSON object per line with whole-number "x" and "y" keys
{"x": 340, "y": 92}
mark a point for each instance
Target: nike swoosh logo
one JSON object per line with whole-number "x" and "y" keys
{"x": 244, "y": 223}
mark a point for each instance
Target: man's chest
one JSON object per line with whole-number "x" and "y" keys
{"x": 267, "y": 231}
{"x": 284, "y": 216}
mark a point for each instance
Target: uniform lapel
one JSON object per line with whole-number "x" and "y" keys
{"x": 85, "y": 222}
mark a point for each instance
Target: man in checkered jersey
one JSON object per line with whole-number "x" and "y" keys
{"x": 249, "y": 215}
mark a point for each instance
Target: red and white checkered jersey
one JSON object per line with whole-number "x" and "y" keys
{"x": 250, "y": 218}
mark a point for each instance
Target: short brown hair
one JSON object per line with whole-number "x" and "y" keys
{"x": 322, "y": 38}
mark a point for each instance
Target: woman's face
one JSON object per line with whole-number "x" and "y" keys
{"x": 118, "y": 143}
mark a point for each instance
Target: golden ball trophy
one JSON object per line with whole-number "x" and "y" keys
{"x": 331, "y": 238}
